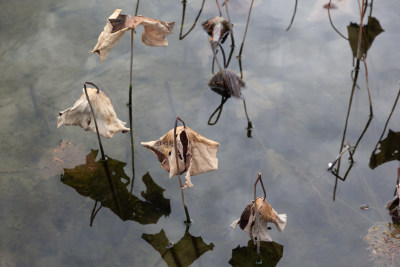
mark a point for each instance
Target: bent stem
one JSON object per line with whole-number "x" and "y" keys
{"x": 188, "y": 221}
{"x": 130, "y": 73}
{"x": 94, "y": 117}
{"x": 259, "y": 179}
{"x": 183, "y": 19}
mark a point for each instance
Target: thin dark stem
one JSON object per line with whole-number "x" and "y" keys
{"x": 249, "y": 123}
{"x": 294, "y": 14}
{"x": 330, "y": 20}
{"x": 245, "y": 31}
{"x": 132, "y": 148}
{"x": 131, "y": 67}
{"x": 357, "y": 68}
{"x": 94, "y": 212}
{"x": 137, "y": 7}
{"x": 214, "y": 45}
{"x": 214, "y": 49}
{"x": 219, "y": 108}
{"x": 94, "y": 117}
{"x": 188, "y": 221}
{"x": 364, "y": 59}
{"x": 183, "y": 19}
{"x": 231, "y": 32}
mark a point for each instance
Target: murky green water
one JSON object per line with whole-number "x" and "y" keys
{"x": 298, "y": 91}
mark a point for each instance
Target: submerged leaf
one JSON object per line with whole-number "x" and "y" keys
{"x": 186, "y": 251}
{"x": 369, "y": 32}
{"x": 227, "y": 83}
{"x": 247, "y": 220}
{"x": 154, "y": 34}
{"x": 65, "y": 155}
{"x": 80, "y": 114}
{"x": 196, "y": 154}
{"x": 217, "y": 28}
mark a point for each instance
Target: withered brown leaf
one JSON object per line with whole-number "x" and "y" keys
{"x": 196, "y": 154}
{"x": 154, "y": 34}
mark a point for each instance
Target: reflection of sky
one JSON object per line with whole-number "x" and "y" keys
{"x": 298, "y": 88}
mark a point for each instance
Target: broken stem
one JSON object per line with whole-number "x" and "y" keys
{"x": 130, "y": 73}
{"x": 249, "y": 123}
{"x": 94, "y": 117}
{"x": 188, "y": 221}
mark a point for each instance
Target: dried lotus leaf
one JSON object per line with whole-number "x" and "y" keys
{"x": 154, "y": 34}
{"x": 196, "y": 154}
{"x": 80, "y": 114}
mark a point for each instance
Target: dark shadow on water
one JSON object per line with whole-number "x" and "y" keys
{"x": 186, "y": 251}
{"x": 91, "y": 180}
{"x": 271, "y": 254}
{"x": 387, "y": 149}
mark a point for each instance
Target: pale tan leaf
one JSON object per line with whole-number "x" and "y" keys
{"x": 80, "y": 115}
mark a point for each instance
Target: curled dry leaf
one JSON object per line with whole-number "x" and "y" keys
{"x": 217, "y": 28}
{"x": 154, "y": 34}
{"x": 227, "y": 83}
{"x": 267, "y": 214}
{"x": 80, "y": 114}
{"x": 196, "y": 154}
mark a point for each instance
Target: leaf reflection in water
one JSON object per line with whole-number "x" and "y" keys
{"x": 271, "y": 254}
{"x": 90, "y": 180}
{"x": 186, "y": 251}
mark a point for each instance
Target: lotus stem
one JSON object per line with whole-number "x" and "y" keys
{"x": 132, "y": 148}
{"x": 294, "y": 14}
{"x": 131, "y": 67}
{"x": 219, "y": 8}
{"x": 183, "y": 19}
{"x": 94, "y": 117}
{"x": 364, "y": 59}
{"x": 245, "y": 31}
{"x": 219, "y": 110}
{"x": 259, "y": 179}
{"x": 330, "y": 20}
{"x": 188, "y": 221}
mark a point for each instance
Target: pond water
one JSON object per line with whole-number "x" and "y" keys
{"x": 298, "y": 89}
